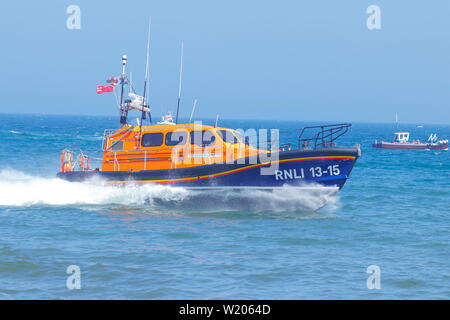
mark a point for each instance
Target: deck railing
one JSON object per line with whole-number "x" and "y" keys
{"x": 322, "y": 136}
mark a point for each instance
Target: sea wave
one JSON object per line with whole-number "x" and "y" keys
{"x": 20, "y": 189}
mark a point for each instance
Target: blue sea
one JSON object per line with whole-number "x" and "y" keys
{"x": 158, "y": 242}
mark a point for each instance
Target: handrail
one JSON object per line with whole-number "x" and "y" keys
{"x": 116, "y": 162}
{"x": 324, "y": 138}
{"x": 145, "y": 160}
{"x": 106, "y": 133}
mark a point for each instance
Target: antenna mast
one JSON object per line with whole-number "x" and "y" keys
{"x": 193, "y": 109}
{"x": 147, "y": 68}
{"x": 179, "y": 87}
{"x": 123, "y": 110}
{"x": 396, "y": 119}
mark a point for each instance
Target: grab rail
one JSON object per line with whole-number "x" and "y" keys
{"x": 324, "y": 136}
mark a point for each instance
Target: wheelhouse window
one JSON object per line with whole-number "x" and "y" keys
{"x": 228, "y": 136}
{"x": 117, "y": 146}
{"x": 176, "y": 138}
{"x": 154, "y": 139}
{"x": 202, "y": 138}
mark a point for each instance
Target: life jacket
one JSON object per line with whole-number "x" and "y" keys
{"x": 66, "y": 161}
{"x": 83, "y": 162}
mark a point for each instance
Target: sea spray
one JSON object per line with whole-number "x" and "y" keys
{"x": 20, "y": 189}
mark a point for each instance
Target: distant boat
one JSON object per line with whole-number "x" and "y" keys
{"x": 401, "y": 141}
{"x": 419, "y": 126}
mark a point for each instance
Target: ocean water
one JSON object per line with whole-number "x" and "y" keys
{"x": 157, "y": 242}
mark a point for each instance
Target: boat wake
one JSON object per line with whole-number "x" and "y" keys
{"x": 20, "y": 189}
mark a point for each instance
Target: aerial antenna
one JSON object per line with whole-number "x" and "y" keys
{"x": 147, "y": 72}
{"x": 131, "y": 82}
{"x": 217, "y": 120}
{"x": 396, "y": 119}
{"x": 124, "y": 111}
{"x": 193, "y": 109}
{"x": 179, "y": 87}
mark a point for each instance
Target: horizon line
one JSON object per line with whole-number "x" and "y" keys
{"x": 207, "y": 118}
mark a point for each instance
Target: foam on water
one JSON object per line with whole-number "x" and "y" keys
{"x": 20, "y": 189}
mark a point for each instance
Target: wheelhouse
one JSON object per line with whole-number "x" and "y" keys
{"x": 401, "y": 137}
{"x": 134, "y": 148}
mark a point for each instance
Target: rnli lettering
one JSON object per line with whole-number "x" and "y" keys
{"x": 313, "y": 172}
{"x": 289, "y": 174}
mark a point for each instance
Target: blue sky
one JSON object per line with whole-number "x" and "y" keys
{"x": 305, "y": 60}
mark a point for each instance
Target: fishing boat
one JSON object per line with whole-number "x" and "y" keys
{"x": 199, "y": 156}
{"x": 401, "y": 141}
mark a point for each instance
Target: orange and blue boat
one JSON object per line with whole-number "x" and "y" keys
{"x": 193, "y": 155}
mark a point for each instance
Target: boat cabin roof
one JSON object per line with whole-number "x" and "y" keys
{"x": 401, "y": 136}
{"x": 162, "y": 135}
{"x": 169, "y": 128}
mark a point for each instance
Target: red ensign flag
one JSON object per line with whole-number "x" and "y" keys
{"x": 103, "y": 89}
{"x": 113, "y": 80}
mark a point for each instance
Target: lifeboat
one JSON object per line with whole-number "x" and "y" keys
{"x": 194, "y": 155}
{"x": 202, "y": 156}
